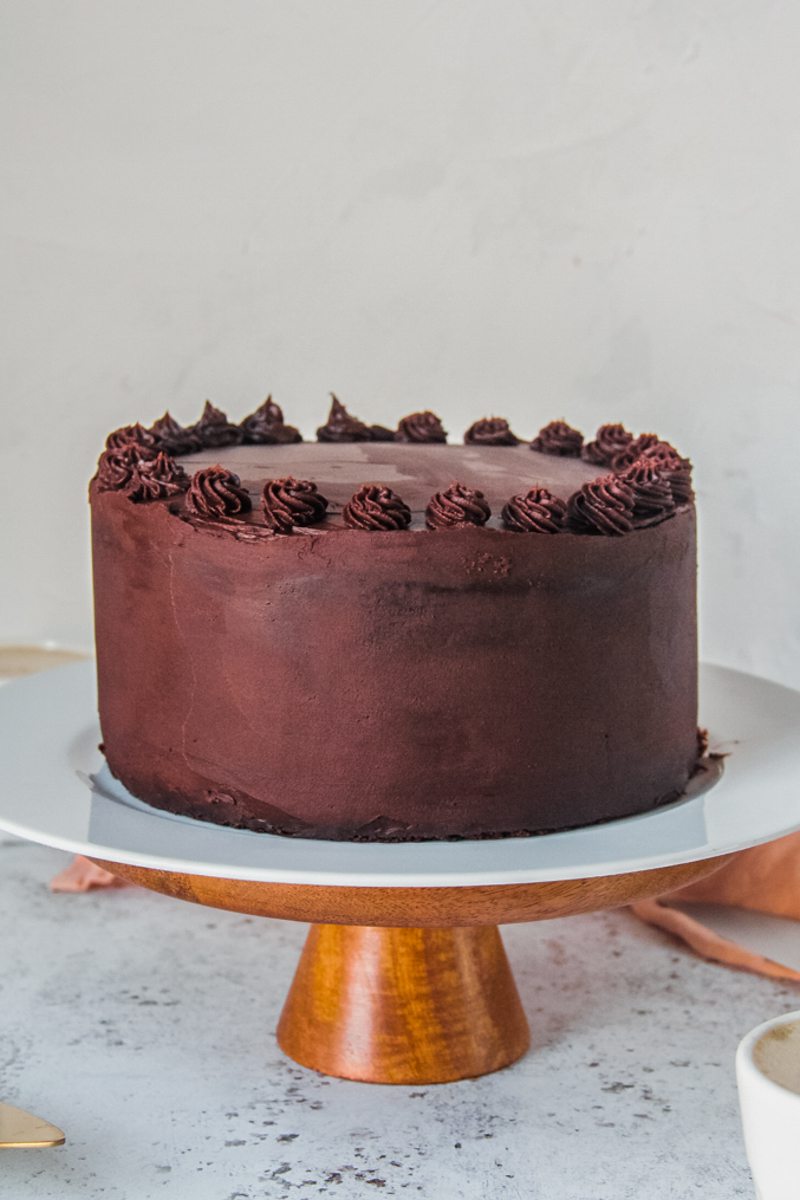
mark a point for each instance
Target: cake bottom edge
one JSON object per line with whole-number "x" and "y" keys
{"x": 224, "y": 809}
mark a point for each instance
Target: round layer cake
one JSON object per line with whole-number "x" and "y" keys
{"x": 374, "y": 639}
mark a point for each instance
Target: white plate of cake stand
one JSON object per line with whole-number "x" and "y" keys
{"x": 403, "y": 978}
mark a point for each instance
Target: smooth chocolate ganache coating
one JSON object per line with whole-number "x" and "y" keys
{"x": 369, "y": 678}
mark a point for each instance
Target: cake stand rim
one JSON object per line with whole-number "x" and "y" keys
{"x": 375, "y": 865}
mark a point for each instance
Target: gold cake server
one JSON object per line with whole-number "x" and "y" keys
{"x": 22, "y": 1130}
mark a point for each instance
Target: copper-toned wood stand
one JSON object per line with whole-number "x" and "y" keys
{"x": 409, "y": 985}
{"x": 403, "y": 1005}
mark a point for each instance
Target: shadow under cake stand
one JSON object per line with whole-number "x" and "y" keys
{"x": 403, "y": 978}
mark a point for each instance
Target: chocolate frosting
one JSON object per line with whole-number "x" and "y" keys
{"x": 652, "y": 494}
{"x": 558, "y": 438}
{"x": 637, "y": 446}
{"x": 675, "y": 469}
{"x": 645, "y": 441}
{"x": 117, "y": 466}
{"x": 174, "y": 437}
{"x": 493, "y": 683}
{"x": 157, "y": 478}
{"x": 379, "y": 433}
{"x": 535, "y": 511}
{"x": 341, "y": 427}
{"x": 216, "y": 492}
{"x": 416, "y": 472}
{"x": 662, "y": 452}
{"x": 457, "y": 506}
{"x": 421, "y": 427}
{"x": 376, "y": 507}
{"x": 277, "y": 517}
{"x": 609, "y": 441}
{"x": 135, "y": 435}
{"x": 680, "y": 480}
{"x": 491, "y": 431}
{"x": 289, "y": 502}
{"x": 603, "y": 506}
{"x": 266, "y": 427}
{"x": 439, "y": 661}
{"x": 214, "y": 430}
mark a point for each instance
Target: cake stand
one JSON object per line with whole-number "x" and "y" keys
{"x": 403, "y": 978}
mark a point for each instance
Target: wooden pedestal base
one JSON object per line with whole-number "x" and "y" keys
{"x": 403, "y": 1005}
{"x": 409, "y": 985}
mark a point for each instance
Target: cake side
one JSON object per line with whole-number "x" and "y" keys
{"x": 471, "y": 681}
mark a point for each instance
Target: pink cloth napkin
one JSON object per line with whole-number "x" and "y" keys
{"x": 765, "y": 879}
{"x": 82, "y": 875}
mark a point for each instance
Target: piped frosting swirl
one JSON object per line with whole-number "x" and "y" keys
{"x": 378, "y": 508}
{"x": 457, "y": 506}
{"x": 628, "y": 455}
{"x": 173, "y": 437}
{"x": 675, "y": 469}
{"x": 266, "y": 427}
{"x": 341, "y": 427}
{"x": 602, "y": 506}
{"x": 117, "y": 466}
{"x": 157, "y": 478}
{"x": 648, "y": 478}
{"x": 558, "y": 438}
{"x": 535, "y": 511}
{"x": 289, "y": 502}
{"x": 216, "y": 492}
{"x": 652, "y": 494}
{"x": 421, "y": 427}
{"x": 132, "y": 435}
{"x": 609, "y": 441}
{"x": 491, "y": 431}
{"x": 214, "y": 430}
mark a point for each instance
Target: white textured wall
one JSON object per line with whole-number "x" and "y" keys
{"x": 553, "y": 208}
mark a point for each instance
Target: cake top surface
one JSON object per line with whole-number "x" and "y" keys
{"x": 415, "y": 472}
{"x": 372, "y": 478}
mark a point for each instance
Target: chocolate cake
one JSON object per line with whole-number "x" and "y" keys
{"x": 383, "y": 635}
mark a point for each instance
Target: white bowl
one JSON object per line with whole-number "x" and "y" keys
{"x": 770, "y": 1105}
